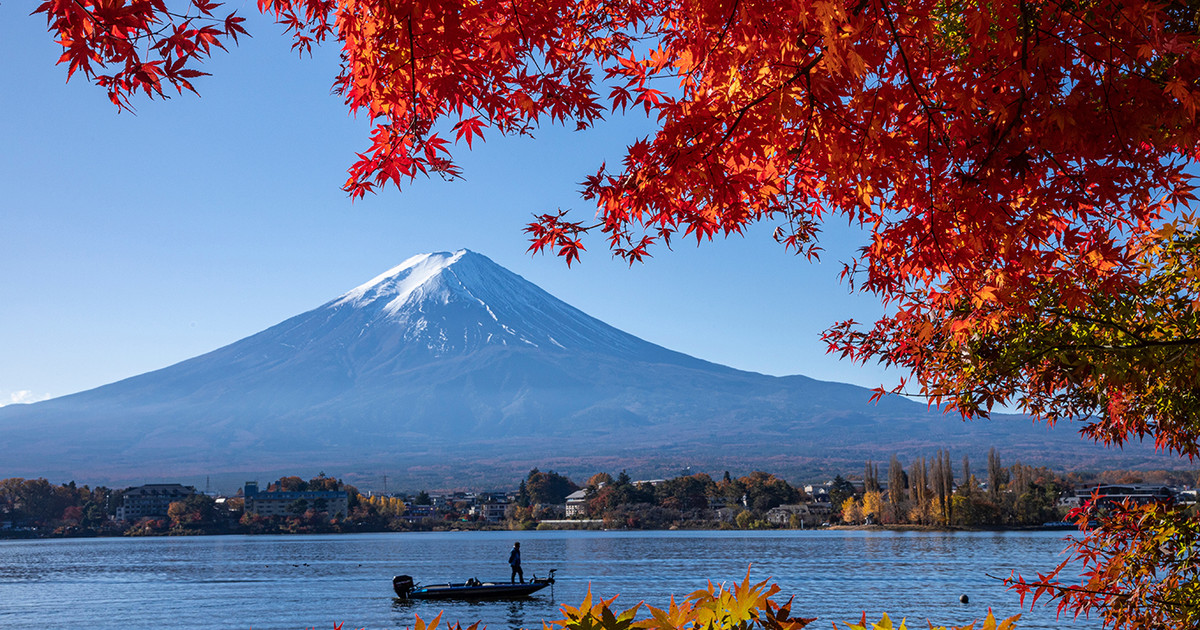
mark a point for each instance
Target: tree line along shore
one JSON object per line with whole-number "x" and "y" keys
{"x": 926, "y": 493}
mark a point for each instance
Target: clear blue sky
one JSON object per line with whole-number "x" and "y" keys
{"x": 131, "y": 242}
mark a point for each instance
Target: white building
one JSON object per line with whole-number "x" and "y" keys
{"x": 334, "y": 503}
{"x": 576, "y": 504}
{"x": 151, "y": 500}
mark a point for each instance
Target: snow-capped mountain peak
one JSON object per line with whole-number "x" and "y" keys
{"x": 400, "y": 282}
{"x": 450, "y": 303}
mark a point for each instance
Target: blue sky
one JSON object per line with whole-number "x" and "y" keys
{"x": 131, "y": 242}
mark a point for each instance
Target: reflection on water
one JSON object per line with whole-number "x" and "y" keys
{"x": 296, "y": 582}
{"x": 527, "y": 613}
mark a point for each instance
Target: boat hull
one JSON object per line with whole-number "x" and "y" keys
{"x": 486, "y": 590}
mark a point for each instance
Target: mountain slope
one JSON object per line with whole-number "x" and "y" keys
{"x": 451, "y": 363}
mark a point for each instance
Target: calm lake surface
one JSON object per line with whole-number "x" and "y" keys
{"x": 299, "y": 582}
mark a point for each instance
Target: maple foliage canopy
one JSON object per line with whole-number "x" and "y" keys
{"x": 1021, "y": 167}
{"x": 1016, "y": 164}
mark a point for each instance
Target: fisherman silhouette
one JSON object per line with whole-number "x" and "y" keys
{"x": 514, "y": 560}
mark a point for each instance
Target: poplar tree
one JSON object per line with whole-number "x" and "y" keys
{"x": 996, "y": 474}
{"x": 897, "y": 485}
{"x": 871, "y": 477}
{"x": 966, "y": 474}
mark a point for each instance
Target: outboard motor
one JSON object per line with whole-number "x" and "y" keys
{"x": 403, "y": 585}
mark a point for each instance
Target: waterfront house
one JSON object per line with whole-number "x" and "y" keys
{"x": 414, "y": 513}
{"x": 806, "y": 514}
{"x": 1139, "y": 494}
{"x": 494, "y": 511}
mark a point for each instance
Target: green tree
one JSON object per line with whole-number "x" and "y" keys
{"x": 840, "y": 491}
{"x": 732, "y": 491}
{"x": 523, "y": 493}
{"x": 547, "y": 488}
{"x": 40, "y": 501}
{"x": 94, "y": 515}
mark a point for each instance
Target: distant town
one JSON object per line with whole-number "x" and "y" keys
{"x": 927, "y": 494}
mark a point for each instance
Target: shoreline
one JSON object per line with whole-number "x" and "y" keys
{"x": 24, "y": 535}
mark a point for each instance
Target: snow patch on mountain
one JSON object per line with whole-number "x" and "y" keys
{"x": 21, "y": 397}
{"x": 401, "y": 281}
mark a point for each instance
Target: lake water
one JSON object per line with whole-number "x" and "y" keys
{"x": 299, "y": 582}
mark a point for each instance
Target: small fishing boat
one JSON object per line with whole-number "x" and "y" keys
{"x": 471, "y": 589}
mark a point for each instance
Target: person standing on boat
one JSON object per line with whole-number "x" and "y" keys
{"x": 514, "y": 561}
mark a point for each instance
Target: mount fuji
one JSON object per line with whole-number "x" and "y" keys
{"x": 449, "y": 369}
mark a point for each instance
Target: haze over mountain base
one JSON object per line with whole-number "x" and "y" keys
{"x": 451, "y": 371}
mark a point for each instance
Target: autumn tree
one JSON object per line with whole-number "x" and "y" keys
{"x": 872, "y": 506}
{"x": 852, "y": 510}
{"x": 597, "y": 480}
{"x": 1020, "y": 169}
{"x": 764, "y": 491}
{"x": 622, "y": 491}
{"x": 689, "y": 492}
{"x": 195, "y": 512}
{"x": 323, "y": 483}
{"x": 288, "y": 484}
{"x": 391, "y": 507}
{"x": 37, "y": 501}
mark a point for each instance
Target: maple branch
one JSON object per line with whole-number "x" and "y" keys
{"x": 1142, "y": 345}
{"x": 803, "y": 71}
{"x": 1095, "y": 320}
{"x": 932, "y": 122}
{"x": 524, "y": 37}
{"x": 1013, "y": 584}
{"x": 1112, "y": 45}
{"x": 728, "y": 23}
{"x": 412, "y": 64}
{"x": 908, "y": 74}
{"x": 1065, "y": 172}
{"x": 1116, "y": 128}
